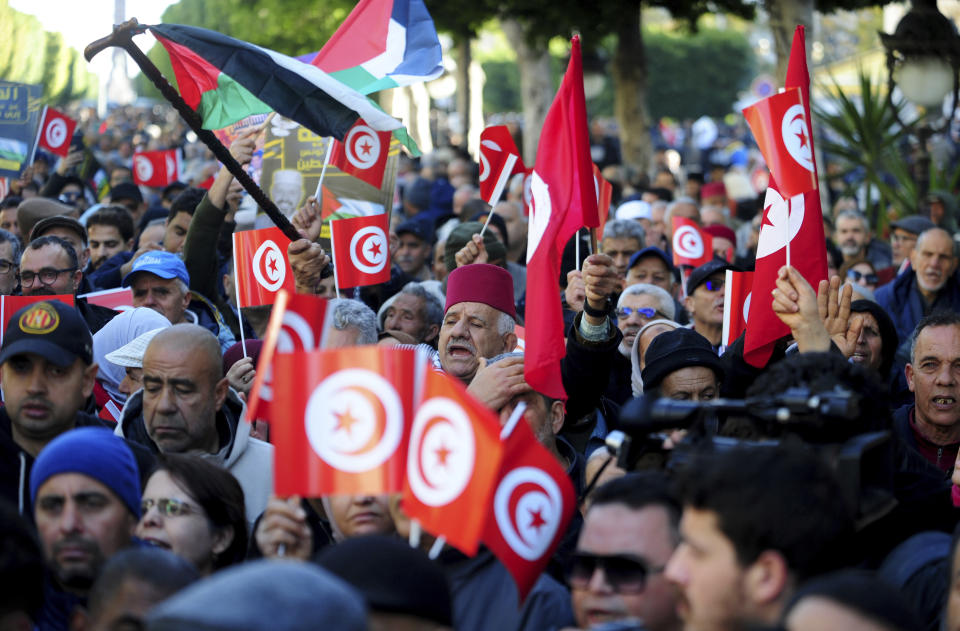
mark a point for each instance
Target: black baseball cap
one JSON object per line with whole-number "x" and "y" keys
{"x": 699, "y": 275}
{"x": 418, "y": 227}
{"x": 676, "y": 349}
{"x": 51, "y": 329}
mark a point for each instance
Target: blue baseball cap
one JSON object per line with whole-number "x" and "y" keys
{"x": 162, "y": 264}
{"x": 650, "y": 250}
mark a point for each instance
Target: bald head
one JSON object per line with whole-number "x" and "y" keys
{"x": 933, "y": 261}
{"x": 183, "y": 389}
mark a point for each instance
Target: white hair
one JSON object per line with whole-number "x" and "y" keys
{"x": 353, "y": 313}
{"x": 665, "y": 304}
{"x": 505, "y": 324}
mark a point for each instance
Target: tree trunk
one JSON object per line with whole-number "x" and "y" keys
{"x": 630, "y": 92}
{"x": 536, "y": 86}
{"x": 784, "y": 16}
{"x": 463, "y": 86}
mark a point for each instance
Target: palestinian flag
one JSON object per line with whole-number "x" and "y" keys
{"x": 225, "y": 80}
{"x": 383, "y": 44}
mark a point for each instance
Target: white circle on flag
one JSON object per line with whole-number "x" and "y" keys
{"x": 442, "y": 452}
{"x": 362, "y": 146}
{"x": 354, "y": 420}
{"x": 295, "y": 334}
{"x": 484, "y": 163}
{"x": 269, "y": 267}
{"x": 796, "y": 136}
{"x": 776, "y": 221}
{"x": 528, "y": 506}
{"x": 56, "y": 133}
{"x": 687, "y": 242}
{"x": 171, "y": 168}
{"x": 368, "y": 249}
{"x": 746, "y": 306}
{"x": 540, "y": 210}
{"x": 143, "y": 167}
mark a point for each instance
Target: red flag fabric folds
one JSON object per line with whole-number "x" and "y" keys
{"x": 499, "y": 159}
{"x": 563, "y": 200}
{"x": 363, "y": 153}
{"x": 156, "y": 168}
{"x": 260, "y": 266}
{"x": 361, "y": 250}
{"x": 780, "y": 126}
{"x": 56, "y": 131}
{"x": 691, "y": 244}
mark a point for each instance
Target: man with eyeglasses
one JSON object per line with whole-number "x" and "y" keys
{"x": 629, "y": 533}
{"x": 49, "y": 266}
{"x": 637, "y": 305}
{"x": 9, "y": 262}
{"x": 704, "y": 301}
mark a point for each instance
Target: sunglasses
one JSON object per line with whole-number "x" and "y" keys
{"x": 168, "y": 507}
{"x": 648, "y": 312}
{"x": 623, "y": 572}
{"x": 856, "y": 276}
{"x": 714, "y": 285}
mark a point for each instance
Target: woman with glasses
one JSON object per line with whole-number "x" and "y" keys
{"x": 195, "y": 509}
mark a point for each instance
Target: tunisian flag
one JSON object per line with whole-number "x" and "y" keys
{"x": 56, "y": 131}
{"x": 361, "y": 250}
{"x": 363, "y": 153}
{"x": 452, "y": 462}
{"x": 780, "y": 126}
{"x": 692, "y": 245}
{"x": 260, "y": 266}
{"x": 794, "y": 223}
{"x": 296, "y": 324}
{"x": 499, "y": 159}
{"x": 737, "y": 292}
{"x": 564, "y": 199}
{"x": 341, "y": 420}
{"x": 531, "y": 508}
{"x": 156, "y": 168}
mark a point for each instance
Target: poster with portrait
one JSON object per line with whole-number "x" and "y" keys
{"x": 19, "y": 117}
{"x": 293, "y": 158}
{"x": 228, "y": 134}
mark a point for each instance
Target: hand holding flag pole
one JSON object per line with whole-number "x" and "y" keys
{"x": 122, "y": 37}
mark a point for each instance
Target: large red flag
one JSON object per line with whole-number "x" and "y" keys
{"x": 499, "y": 159}
{"x": 691, "y": 245}
{"x": 797, "y": 221}
{"x": 341, "y": 420}
{"x": 260, "y": 266}
{"x": 361, "y": 250}
{"x": 452, "y": 462}
{"x": 156, "y": 168}
{"x": 780, "y": 127}
{"x": 531, "y": 508}
{"x": 363, "y": 153}
{"x": 56, "y": 131}
{"x": 299, "y": 326}
{"x": 563, "y": 201}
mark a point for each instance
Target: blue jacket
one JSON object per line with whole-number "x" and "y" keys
{"x": 902, "y": 300}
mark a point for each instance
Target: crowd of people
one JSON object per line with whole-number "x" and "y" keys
{"x": 135, "y": 493}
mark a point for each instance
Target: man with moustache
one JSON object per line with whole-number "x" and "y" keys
{"x": 413, "y": 250}
{"x": 927, "y": 287}
{"x": 638, "y": 304}
{"x": 704, "y": 301}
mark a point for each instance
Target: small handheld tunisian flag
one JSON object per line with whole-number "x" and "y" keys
{"x": 156, "y": 168}
{"x": 736, "y": 299}
{"x": 260, "y": 266}
{"x": 788, "y": 222}
{"x": 118, "y": 299}
{"x": 564, "y": 200}
{"x": 341, "y": 419}
{"x": 691, "y": 245}
{"x": 452, "y": 462}
{"x": 363, "y": 153}
{"x": 56, "y": 131}
{"x": 531, "y": 508}
{"x": 779, "y": 124}
{"x": 361, "y": 251}
{"x": 604, "y": 194}
{"x": 499, "y": 159}
{"x": 296, "y": 324}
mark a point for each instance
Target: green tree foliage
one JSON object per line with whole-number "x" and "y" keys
{"x": 28, "y": 54}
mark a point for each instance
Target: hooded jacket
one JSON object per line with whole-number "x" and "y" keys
{"x": 248, "y": 459}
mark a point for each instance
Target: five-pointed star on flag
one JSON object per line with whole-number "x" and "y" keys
{"x": 345, "y": 421}
{"x": 803, "y": 138}
{"x": 537, "y": 521}
{"x": 366, "y": 147}
{"x": 442, "y": 454}
{"x": 766, "y": 218}
{"x": 272, "y": 265}
{"x": 375, "y": 248}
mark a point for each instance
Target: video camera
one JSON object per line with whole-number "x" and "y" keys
{"x": 825, "y": 421}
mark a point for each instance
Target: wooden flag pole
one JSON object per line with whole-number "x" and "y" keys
{"x": 122, "y": 37}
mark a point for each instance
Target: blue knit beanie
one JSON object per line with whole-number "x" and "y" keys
{"x": 95, "y": 452}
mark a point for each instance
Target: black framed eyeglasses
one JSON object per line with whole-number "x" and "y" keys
{"x": 623, "y": 572}
{"x": 7, "y": 266}
{"x": 167, "y": 507}
{"x": 871, "y": 279}
{"x": 47, "y": 275}
{"x": 647, "y": 312}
